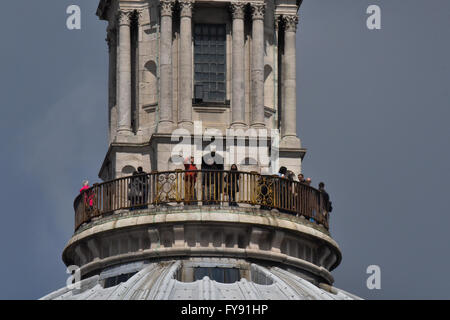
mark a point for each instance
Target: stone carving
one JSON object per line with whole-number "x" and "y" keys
{"x": 166, "y": 7}
{"x": 258, "y": 10}
{"x": 237, "y": 10}
{"x": 124, "y": 17}
{"x": 186, "y": 7}
{"x": 290, "y": 22}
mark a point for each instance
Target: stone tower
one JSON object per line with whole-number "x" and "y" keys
{"x": 215, "y": 80}
{"x": 226, "y": 64}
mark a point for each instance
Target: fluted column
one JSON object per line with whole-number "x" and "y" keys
{"x": 111, "y": 39}
{"x": 289, "y": 112}
{"x": 277, "y": 70}
{"x": 257, "y": 72}
{"x": 140, "y": 20}
{"x": 185, "y": 111}
{"x": 124, "y": 107}
{"x": 238, "y": 72}
{"x": 165, "y": 61}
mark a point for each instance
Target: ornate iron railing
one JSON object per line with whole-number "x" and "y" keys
{"x": 201, "y": 187}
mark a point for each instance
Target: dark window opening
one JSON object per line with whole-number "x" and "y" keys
{"x": 222, "y": 275}
{"x": 209, "y": 63}
{"x": 114, "y": 281}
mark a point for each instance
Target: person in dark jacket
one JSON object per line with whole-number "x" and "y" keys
{"x": 282, "y": 172}
{"x": 232, "y": 185}
{"x": 143, "y": 187}
{"x": 283, "y": 188}
{"x": 301, "y": 178}
{"x": 325, "y": 197}
{"x": 212, "y": 179}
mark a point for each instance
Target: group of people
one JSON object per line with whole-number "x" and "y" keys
{"x": 215, "y": 181}
{"x": 287, "y": 174}
{"x": 212, "y": 182}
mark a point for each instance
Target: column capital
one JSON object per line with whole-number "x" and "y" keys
{"x": 124, "y": 17}
{"x": 258, "y": 10}
{"x": 290, "y": 22}
{"x": 237, "y": 10}
{"x": 186, "y": 7}
{"x": 166, "y": 7}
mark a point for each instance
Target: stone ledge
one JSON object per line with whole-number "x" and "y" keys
{"x": 167, "y": 253}
{"x": 158, "y": 214}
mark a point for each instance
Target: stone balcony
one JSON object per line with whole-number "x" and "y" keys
{"x": 166, "y": 216}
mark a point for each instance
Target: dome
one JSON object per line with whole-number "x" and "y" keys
{"x": 157, "y": 281}
{"x": 204, "y": 232}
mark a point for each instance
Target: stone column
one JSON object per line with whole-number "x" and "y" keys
{"x": 140, "y": 19}
{"x": 124, "y": 108}
{"x": 276, "y": 71}
{"x": 238, "y": 70}
{"x": 165, "y": 67}
{"x": 289, "y": 112}
{"x": 185, "y": 74}
{"x": 111, "y": 39}
{"x": 257, "y": 72}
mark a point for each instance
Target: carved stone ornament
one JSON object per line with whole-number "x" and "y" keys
{"x": 186, "y": 7}
{"x": 237, "y": 10}
{"x": 166, "y": 7}
{"x": 258, "y": 10}
{"x": 124, "y": 17}
{"x": 290, "y": 22}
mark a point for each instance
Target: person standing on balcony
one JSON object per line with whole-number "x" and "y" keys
{"x": 133, "y": 190}
{"x": 143, "y": 188}
{"x": 212, "y": 177}
{"x": 282, "y": 172}
{"x": 301, "y": 178}
{"x": 283, "y": 192}
{"x": 88, "y": 195}
{"x": 290, "y": 175}
{"x": 190, "y": 179}
{"x": 327, "y": 208}
{"x": 290, "y": 190}
{"x": 232, "y": 184}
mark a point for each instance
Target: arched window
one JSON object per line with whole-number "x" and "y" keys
{"x": 128, "y": 170}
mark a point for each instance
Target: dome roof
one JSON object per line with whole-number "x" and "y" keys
{"x": 157, "y": 281}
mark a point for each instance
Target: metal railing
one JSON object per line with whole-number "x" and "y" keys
{"x": 201, "y": 187}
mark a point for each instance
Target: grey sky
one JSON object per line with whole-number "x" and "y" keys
{"x": 373, "y": 112}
